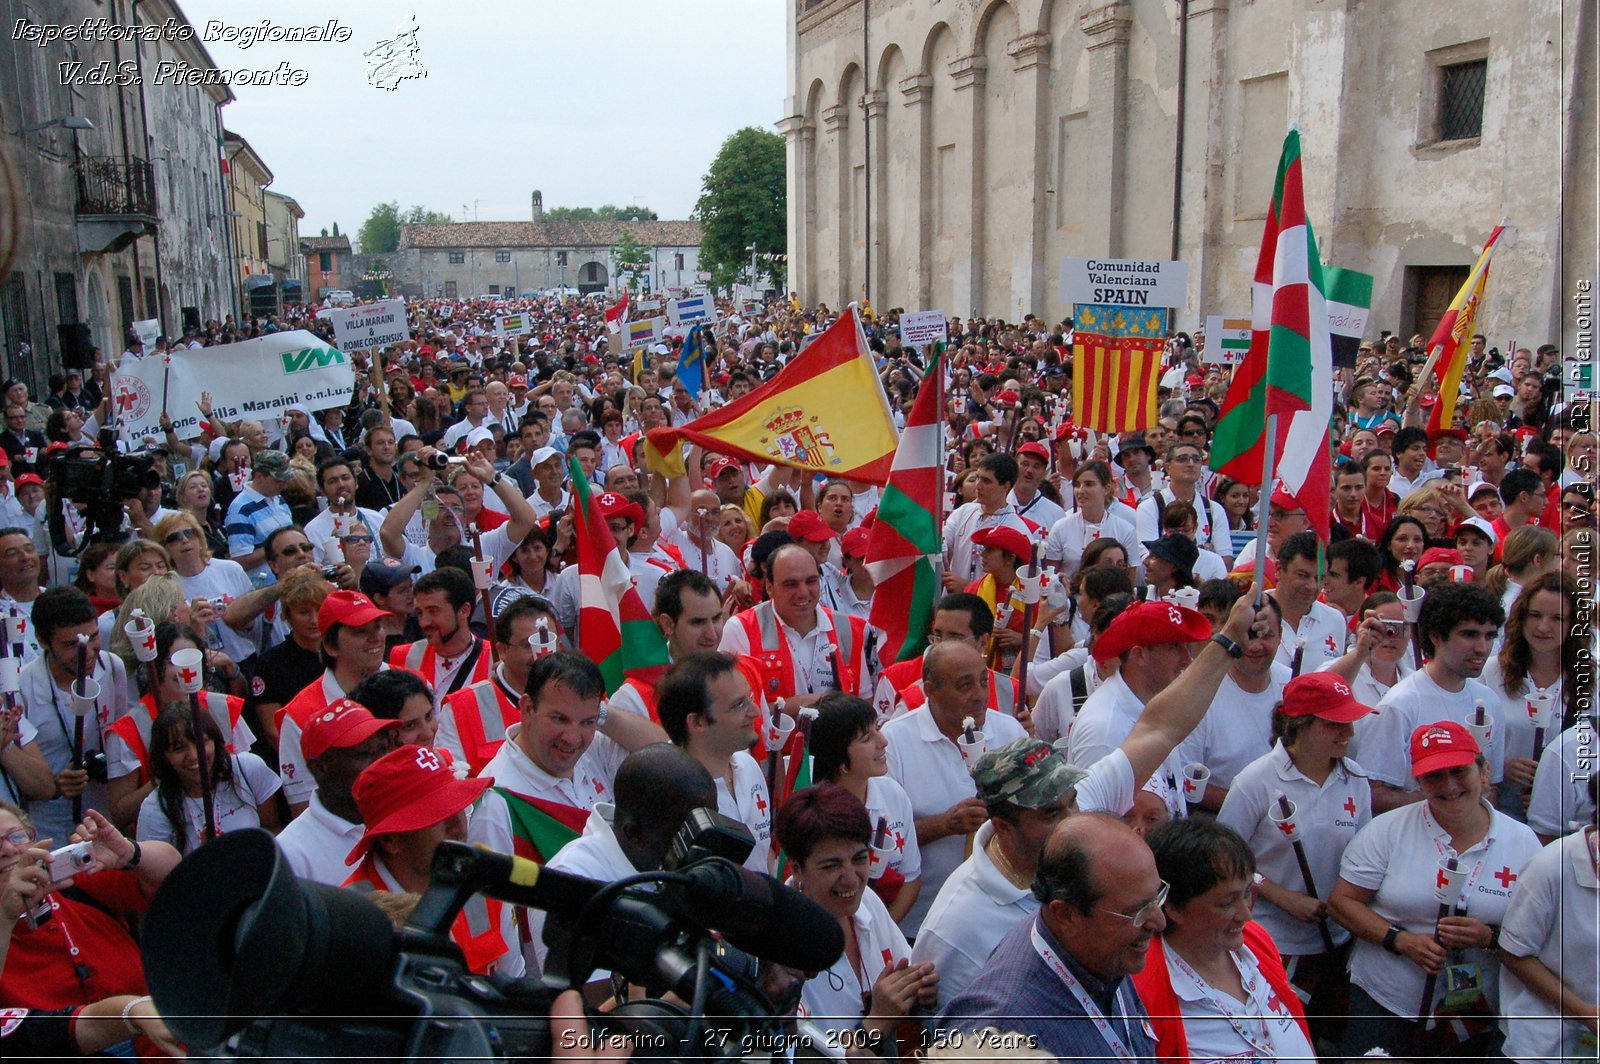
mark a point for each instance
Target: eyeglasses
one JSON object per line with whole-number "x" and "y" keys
{"x": 358, "y": 539}
{"x": 20, "y": 837}
{"x": 295, "y": 548}
{"x": 180, "y": 536}
{"x": 1185, "y": 458}
{"x": 1145, "y": 911}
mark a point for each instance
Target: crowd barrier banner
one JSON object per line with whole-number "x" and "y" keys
{"x": 254, "y": 379}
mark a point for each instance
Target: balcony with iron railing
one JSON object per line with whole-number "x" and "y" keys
{"x": 116, "y": 202}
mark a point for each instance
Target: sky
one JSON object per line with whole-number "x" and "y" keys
{"x": 600, "y": 101}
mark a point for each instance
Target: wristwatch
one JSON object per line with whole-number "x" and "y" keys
{"x": 1234, "y": 649}
{"x": 1392, "y": 937}
{"x": 498, "y": 477}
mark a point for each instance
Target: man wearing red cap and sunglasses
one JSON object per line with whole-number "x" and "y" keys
{"x": 410, "y": 802}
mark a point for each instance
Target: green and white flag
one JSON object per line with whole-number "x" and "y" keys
{"x": 1349, "y": 306}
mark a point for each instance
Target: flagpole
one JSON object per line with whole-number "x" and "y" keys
{"x": 938, "y": 391}
{"x": 1269, "y": 457}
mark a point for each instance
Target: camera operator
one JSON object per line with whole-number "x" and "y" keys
{"x": 61, "y": 615}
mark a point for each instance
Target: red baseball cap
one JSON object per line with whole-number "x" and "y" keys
{"x": 1038, "y": 450}
{"x": 1147, "y": 624}
{"x": 30, "y": 478}
{"x": 613, "y": 505}
{"x": 722, "y": 465}
{"x": 1443, "y": 744}
{"x": 516, "y": 380}
{"x": 1284, "y": 501}
{"x": 342, "y": 724}
{"x": 1068, "y": 431}
{"x": 350, "y": 608}
{"x": 1440, "y": 555}
{"x": 1007, "y": 539}
{"x": 408, "y": 789}
{"x": 854, "y": 543}
{"x": 808, "y": 524}
{"x": 1322, "y": 694}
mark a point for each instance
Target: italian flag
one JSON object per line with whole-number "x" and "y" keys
{"x": 1289, "y": 369}
{"x": 906, "y": 536}
{"x": 615, "y": 629}
{"x": 540, "y": 827}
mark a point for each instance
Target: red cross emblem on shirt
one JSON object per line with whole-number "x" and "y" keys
{"x": 599, "y": 788}
{"x": 899, "y": 842}
{"x": 1333, "y": 648}
{"x": 1274, "y": 1002}
{"x": 1506, "y": 877}
{"x": 1350, "y": 805}
{"x": 761, "y": 805}
{"x": 888, "y": 957}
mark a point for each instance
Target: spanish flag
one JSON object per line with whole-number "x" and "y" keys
{"x": 1116, "y": 366}
{"x": 824, "y": 412}
{"x": 1452, "y": 339}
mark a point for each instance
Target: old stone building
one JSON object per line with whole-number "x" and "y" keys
{"x": 459, "y": 259}
{"x": 124, "y": 213}
{"x": 950, "y": 153}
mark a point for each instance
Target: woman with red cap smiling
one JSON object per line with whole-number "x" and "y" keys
{"x": 1392, "y": 883}
{"x": 1331, "y": 799}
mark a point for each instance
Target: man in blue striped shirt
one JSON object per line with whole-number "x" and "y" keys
{"x": 258, "y": 511}
{"x": 1059, "y": 981}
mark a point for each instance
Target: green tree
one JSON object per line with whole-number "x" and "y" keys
{"x": 424, "y": 216}
{"x": 631, "y": 257}
{"x": 607, "y": 212}
{"x": 380, "y": 233}
{"x": 743, "y": 201}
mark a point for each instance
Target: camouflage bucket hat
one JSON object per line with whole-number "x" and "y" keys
{"x": 273, "y": 463}
{"x": 1025, "y": 772}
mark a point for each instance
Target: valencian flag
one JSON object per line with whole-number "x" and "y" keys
{"x": 540, "y": 827}
{"x": 1116, "y": 366}
{"x": 1452, "y": 339}
{"x": 906, "y": 538}
{"x": 1289, "y": 370}
{"x": 825, "y": 412}
{"x": 615, "y": 630}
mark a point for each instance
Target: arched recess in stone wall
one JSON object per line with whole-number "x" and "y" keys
{"x": 946, "y": 148}
{"x": 814, "y": 216}
{"x": 1000, "y": 220}
{"x": 894, "y": 191}
{"x": 1070, "y": 168}
{"x": 844, "y": 120}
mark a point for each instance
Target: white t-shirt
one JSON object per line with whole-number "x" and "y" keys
{"x": 1397, "y": 855}
{"x": 1041, "y": 509}
{"x": 1107, "y": 720}
{"x": 721, "y": 566}
{"x": 1561, "y": 784}
{"x": 1384, "y": 749}
{"x": 316, "y": 843}
{"x": 1328, "y": 816}
{"x": 1211, "y": 529}
{"x": 1213, "y": 1020}
{"x": 220, "y": 582}
{"x": 319, "y": 530}
{"x": 1236, "y": 730}
{"x": 1072, "y": 534}
{"x": 834, "y": 998}
{"x": 962, "y": 556}
{"x": 1511, "y": 711}
{"x": 935, "y": 777}
{"x": 1552, "y": 916}
{"x": 234, "y": 804}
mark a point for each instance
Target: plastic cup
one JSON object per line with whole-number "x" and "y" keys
{"x": 1032, "y": 587}
{"x": 482, "y": 573}
{"x": 1284, "y": 822}
{"x": 142, "y": 634}
{"x": 778, "y": 731}
{"x": 17, "y": 627}
{"x": 187, "y": 662}
{"x": 10, "y": 675}
{"x": 1540, "y": 706}
{"x": 878, "y": 862}
{"x": 973, "y": 749}
{"x": 1411, "y": 601}
{"x": 1187, "y": 597}
{"x": 333, "y": 552}
{"x": 85, "y": 696}
{"x": 1480, "y": 732}
{"x": 239, "y": 479}
{"x": 1195, "y": 778}
{"x": 341, "y": 526}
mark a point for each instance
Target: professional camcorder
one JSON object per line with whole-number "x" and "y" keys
{"x": 247, "y": 962}
{"x": 100, "y": 479}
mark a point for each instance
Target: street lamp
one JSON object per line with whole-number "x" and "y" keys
{"x": 65, "y": 122}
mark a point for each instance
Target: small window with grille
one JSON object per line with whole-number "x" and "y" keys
{"x": 1461, "y": 89}
{"x": 457, "y": 258}
{"x": 502, "y": 256}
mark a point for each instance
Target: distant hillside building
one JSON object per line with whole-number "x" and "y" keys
{"x": 327, "y": 266}
{"x": 459, "y": 259}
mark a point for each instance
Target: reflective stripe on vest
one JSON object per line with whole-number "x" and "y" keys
{"x": 476, "y": 928}
{"x": 134, "y": 727}
{"x": 772, "y": 655}
{"x": 482, "y": 727}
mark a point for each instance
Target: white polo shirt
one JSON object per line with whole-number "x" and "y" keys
{"x": 1213, "y": 1019}
{"x": 316, "y": 843}
{"x": 1041, "y": 509}
{"x": 1561, "y": 785}
{"x": 596, "y": 855}
{"x": 1384, "y": 749}
{"x": 935, "y": 777}
{"x": 888, "y": 800}
{"x": 1073, "y": 533}
{"x": 975, "y": 909}
{"x": 1369, "y": 690}
{"x": 517, "y": 772}
{"x": 1325, "y": 631}
{"x": 1107, "y": 720}
{"x": 1552, "y": 916}
{"x": 319, "y": 530}
{"x": 1236, "y": 730}
{"x": 1329, "y": 815}
{"x": 721, "y": 566}
{"x": 1397, "y": 855}
{"x": 1211, "y": 519}
{"x": 750, "y": 803}
{"x": 834, "y": 998}
{"x": 962, "y": 556}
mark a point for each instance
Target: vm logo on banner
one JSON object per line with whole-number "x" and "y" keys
{"x": 311, "y": 358}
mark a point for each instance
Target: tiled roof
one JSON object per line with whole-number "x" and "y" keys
{"x": 325, "y": 243}
{"x": 547, "y": 234}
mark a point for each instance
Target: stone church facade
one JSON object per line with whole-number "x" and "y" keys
{"x": 950, "y": 153}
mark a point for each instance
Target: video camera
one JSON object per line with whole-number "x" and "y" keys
{"x": 98, "y": 478}
{"x": 247, "y": 961}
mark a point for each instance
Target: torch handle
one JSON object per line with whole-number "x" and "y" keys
{"x": 207, "y": 796}
{"x": 77, "y": 762}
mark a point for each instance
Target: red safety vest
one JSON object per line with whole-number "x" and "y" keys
{"x": 312, "y": 697}
{"x": 773, "y": 659}
{"x": 422, "y": 659}
{"x": 476, "y": 928}
{"x": 482, "y": 713}
{"x": 134, "y": 728}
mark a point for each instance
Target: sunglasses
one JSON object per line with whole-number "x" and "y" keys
{"x": 180, "y": 536}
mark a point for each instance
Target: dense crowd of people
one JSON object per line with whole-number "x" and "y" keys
{"x": 1168, "y": 810}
